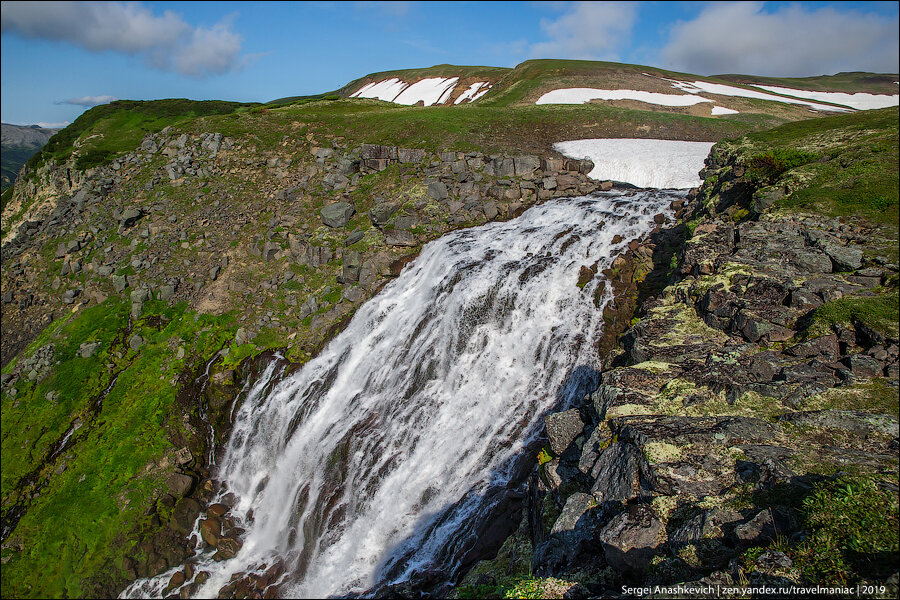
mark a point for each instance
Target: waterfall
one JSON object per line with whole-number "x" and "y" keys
{"x": 375, "y": 460}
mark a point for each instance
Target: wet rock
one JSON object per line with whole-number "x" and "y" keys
{"x": 226, "y": 548}
{"x": 184, "y": 514}
{"x": 211, "y": 530}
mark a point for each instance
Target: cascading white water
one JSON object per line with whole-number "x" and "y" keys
{"x": 360, "y": 468}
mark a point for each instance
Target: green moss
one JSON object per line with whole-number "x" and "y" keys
{"x": 875, "y": 395}
{"x": 100, "y": 486}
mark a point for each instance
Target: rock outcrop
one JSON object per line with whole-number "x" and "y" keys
{"x": 727, "y": 398}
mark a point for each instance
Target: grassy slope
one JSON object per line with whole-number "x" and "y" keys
{"x": 74, "y": 528}
{"x": 853, "y": 166}
{"x": 873, "y": 83}
{"x": 478, "y": 127}
{"x": 850, "y": 171}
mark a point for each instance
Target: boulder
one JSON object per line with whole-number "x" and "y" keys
{"x": 617, "y": 473}
{"x": 179, "y": 484}
{"x": 353, "y": 238}
{"x": 437, "y": 191}
{"x": 863, "y": 366}
{"x": 844, "y": 258}
{"x": 381, "y": 213}
{"x": 398, "y": 237}
{"x": 409, "y": 155}
{"x": 120, "y": 282}
{"x": 130, "y": 216}
{"x": 758, "y": 530}
{"x": 184, "y": 514}
{"x": 135, "y": 342}
{"x": 88, "y": 349}
{"x": 211, "y": 530}
{"x": 563, "y": 428}
{"x": 630, "y": 539}
{"x": 337, "y": 214}
{"x": 227, "y": 548}
{"x": 352, "y": 264}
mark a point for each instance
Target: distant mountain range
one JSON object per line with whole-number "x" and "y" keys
{"x": 19, "y": 143}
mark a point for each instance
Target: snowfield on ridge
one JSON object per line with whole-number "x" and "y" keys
{"x": 664, "y": 164}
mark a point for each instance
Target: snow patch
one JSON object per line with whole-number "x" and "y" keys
{"x": 473, "y": 92}
{"x": 697, "y": 87}
{"x": 481, "y": 93}
{"x": 383, "y": 90}
{"x": 584, "y": 95}
{"x": 859, "y": 100}
{"x": 721, "y": 110}
{"x": 430, "y": 91}
{"x": 664, "y": 164}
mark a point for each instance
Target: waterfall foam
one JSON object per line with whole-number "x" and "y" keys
{"x": 363, "y": 467}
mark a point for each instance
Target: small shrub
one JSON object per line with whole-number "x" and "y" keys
{"x": 853, "y": 532}
{"x": 769, "y": 166}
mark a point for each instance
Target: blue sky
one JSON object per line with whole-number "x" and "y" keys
{"x": 60, "y": 58}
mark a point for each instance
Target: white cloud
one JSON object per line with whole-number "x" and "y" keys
{"x": 588, "y": 30}
{"x": 164, "y": 41}
{"x": 210, "y": 50}
{"x": 88, "y": 101}
{"x": 793, "y": 40}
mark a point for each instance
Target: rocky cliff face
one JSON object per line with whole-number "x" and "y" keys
{"x": 761, "y": 379}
